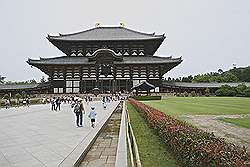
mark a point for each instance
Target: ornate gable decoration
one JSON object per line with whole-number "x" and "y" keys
{"x": 105, "y": 56}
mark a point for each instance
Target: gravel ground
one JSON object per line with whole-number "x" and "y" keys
{"x": 233, "y": 133}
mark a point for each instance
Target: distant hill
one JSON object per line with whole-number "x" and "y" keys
{"x": 241, "y": 74}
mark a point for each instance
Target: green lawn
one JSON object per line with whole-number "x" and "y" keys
{"x": 202, "y": 105}
{"x": 152, "y": 150}
{"x": 242, "y": 122}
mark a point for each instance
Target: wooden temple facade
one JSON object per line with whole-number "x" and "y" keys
{"x": 112, "y": 59}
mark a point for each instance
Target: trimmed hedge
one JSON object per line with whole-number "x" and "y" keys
{"x": 191, "y": 146}
{"x": 144, "y": 98}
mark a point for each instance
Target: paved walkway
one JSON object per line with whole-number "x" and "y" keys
{"x": 103, "y": 152}
{"x": 36, "y": 136}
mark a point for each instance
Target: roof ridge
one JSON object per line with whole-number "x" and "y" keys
{"x": 74, "y": 33}
{"x": 106, "y": 27}
{"x": 143, "y": 33}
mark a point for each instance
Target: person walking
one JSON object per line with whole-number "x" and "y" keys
{"x": 53, "y": 104}
{"x": 92, "y": 116}
{"x": 82, "y": 108}
{"x": 17, "y": 103}
{"x": 24, "y": 102}
{"x": 7, "y": 103}
{"x": 78, "y": 110}
{"x": 58, "y": 103}
{"x": 28, "y": 102}
{"x": 104, "y": 103}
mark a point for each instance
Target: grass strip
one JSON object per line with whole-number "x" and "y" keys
{"x": 152, "y": 150}
{"x": 241, "y": 122}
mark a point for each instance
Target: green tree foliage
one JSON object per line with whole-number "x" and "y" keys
{"x": 207, "y": 92}
{"x": 225, "y": 90}
{"x": 233, "y": 75}
{"x": 247, "y": 92}
{"x": 216, "y": 77}
{"x": 193, "y": 94}
{"x": 229, "y": 77}
{"x": 240, "y": 90}
{"x": 242, "y": 73}
{"x": 185, "y": 94}
{"x": 6, "y": 96}
{"x": 187, "y": 79}
{"x": 18, "y": 96}
{"x": 24, "y": 94}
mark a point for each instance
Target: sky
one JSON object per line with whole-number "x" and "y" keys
{"x": 207, "y": 34}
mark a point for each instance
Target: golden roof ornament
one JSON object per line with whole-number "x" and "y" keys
{"x": 122, "y": 24}
{"x": 97, "y": 24}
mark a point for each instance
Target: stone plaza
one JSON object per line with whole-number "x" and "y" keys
{"x": 37, "y": 136}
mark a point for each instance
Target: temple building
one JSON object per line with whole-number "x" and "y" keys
{"x": 112, "y": 59}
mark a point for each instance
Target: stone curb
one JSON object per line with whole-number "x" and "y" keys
{"x": 121, "y": 154}
{"x": 75, "y": 158}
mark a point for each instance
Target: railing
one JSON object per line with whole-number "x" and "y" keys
{"x": 133, "y": 149}
{"x": 121, "y": 154}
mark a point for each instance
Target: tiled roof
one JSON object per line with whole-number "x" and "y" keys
{"x": 143, "y": 86}
{"x": 201, "y": 85}
{"x": 17, "y": 86}
{"x": 106, "y": 34}
{"x": 23, "y": 86}
{"x": 79, "y": 60}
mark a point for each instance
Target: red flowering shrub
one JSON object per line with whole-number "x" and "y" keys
{"x": 190, "y": 145}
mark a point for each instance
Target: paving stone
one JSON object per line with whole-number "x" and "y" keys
{"x": 38, "y": 133}
{"x": 107, "y": 143}
{"x": 97, "y": 163}
{"x": 111, "y": 159}
{"x": 109, "y": 165}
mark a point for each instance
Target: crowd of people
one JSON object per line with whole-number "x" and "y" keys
{"x": 25, "y": 103}
{"x": 79, "y": 105}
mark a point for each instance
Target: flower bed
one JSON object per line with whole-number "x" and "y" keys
{"x": 190, "y": 145}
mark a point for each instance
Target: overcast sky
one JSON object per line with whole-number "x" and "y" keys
{"x": 208, "y": 34}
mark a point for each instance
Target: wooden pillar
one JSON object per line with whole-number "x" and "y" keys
{"x": 131, "y": 76}
{"x": 81, "y": 80}
{"x": 51, "y": 74}
{"x": 101, "y": 86}
{"x": 97, "y": 76}
{"x": 147, "y": 73}
{"x": 114, "y": 81}
{"x": 126, "y": 85}
{"x": 64, "y": 79}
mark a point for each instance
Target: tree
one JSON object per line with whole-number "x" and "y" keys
{"x": 220, "y": 71}
{"x": 229, "y": 77}
{"x": 187, "y": 79}
{"x": 190, "y": 78}
{"x": 24, "y": 94}
{"x": 245, "y": 75}
{"x": 207, "y": 92}
{"x": 247, "y": 92}
{"x": 18, "y": 96}
{"x": 240, "y": 90}
{"x": 225, "y": 90}
{"x": 2, "y": 79}
{"x": 32, "y": 81}
{"x": 185, "y": 94}
{"x": 193, "y": 94}
{"x": 201, "y": 78}
{"x": 6, "y": 96}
